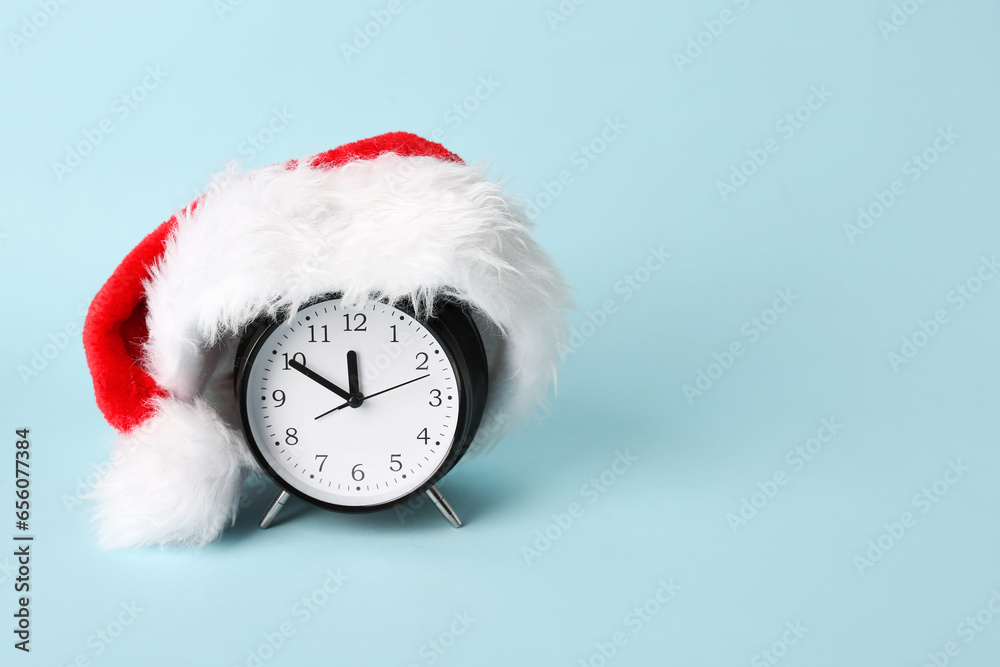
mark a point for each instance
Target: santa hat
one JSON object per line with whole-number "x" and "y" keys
{"x": 394, "y": 216}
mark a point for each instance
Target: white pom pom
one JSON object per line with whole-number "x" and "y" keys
{"x": 176, "y": 479}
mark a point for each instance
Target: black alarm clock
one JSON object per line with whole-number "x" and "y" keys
{"x": 360, "y": 407}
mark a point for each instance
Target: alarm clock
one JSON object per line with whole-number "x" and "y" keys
{"x": 357, "y": 407}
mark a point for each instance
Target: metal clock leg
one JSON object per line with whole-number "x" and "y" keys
{"x": 273, "y": 509}
{"x": 444, "y": 507}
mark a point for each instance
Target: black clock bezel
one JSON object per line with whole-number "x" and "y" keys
{"x": 456, "y": 331}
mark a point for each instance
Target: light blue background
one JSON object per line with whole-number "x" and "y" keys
{"x": 621, "y": 389}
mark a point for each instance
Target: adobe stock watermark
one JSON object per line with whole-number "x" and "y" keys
{"x": 968, "y": 630}
{"x": 223, "y": 7}
{"x": 627, "y": 287}
{"x": 493, "y": 422}
{"x": 255, "y": 483}
{"x": 121, "y": 108}
{"x": 34, "y": 23}
{"x": 85, "y": 485}
{"x": 636, "y": 620}
{"x": 433, "y": 649}
{"x": 53, "y": 346}
{"x": 562, "y": 12}
{"x": 915, "y": 167}
{"x": 958, "y": 297}
{"x": 923, "y": 501}
{"x": 248, "y": 149}
{"x": 84, "y": 488}
{"x": 793, "y": 633}
{"x": 365, "y": 34}
{"x": 302, "y": 272}
{"x": 796, "y": 458}
{"x": 713, "y": 28}
{"x": 8, "y": 568}
{"x": 590, "y": 491}
{"x": 302, "y": 611}
{"x": 257, "y": 141}
{"x": 104, "y": 637}
{"x": 584, "y": 156}
{"x": 752, "y": 330}
{"x": 461, "y": 111}
{"x": 786, "y": 127}
{"x": 899, "y": 16}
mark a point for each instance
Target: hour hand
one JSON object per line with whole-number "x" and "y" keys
{"x": 354, "y": 381}
{"x": 315, "y": 377}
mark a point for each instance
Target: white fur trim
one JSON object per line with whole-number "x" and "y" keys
{"x": 175, "y": 479}
{"x": 275, "y": 238}
{"x": 395, "y": 226}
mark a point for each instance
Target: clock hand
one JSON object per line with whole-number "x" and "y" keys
{"x": 373, "y": 395}
{"x": 397, "y": 386}
{"x": 339, "y": 407}
{"x": 354, "y": 383}
{"x": 319, "y": 378}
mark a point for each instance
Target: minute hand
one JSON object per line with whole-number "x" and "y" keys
{"x": 373, "y": 395}
{"x": 319, "y": 378}
{"x": 396, "y": 387}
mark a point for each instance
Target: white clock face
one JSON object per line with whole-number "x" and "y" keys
{"x": 345, "y": 442}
